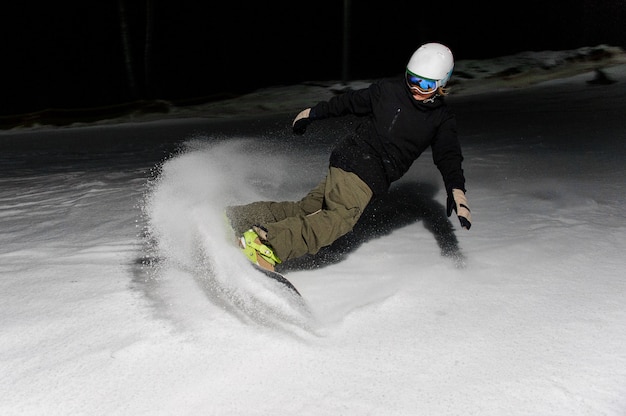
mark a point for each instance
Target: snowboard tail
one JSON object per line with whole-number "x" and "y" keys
{"x": 272, "y": 274}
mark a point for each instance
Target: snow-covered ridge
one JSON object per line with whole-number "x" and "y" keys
{"x": 516, "y": 71}
{"x": 529, "y": 68}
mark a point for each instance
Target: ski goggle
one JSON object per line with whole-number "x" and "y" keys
{"x": 421, "y": 84}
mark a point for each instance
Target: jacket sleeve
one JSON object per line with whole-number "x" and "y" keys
{"x": 447, "y": 155}
{"x": 357, "y": 102}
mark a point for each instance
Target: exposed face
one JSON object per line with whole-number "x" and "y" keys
{"x": 419, "y": 96}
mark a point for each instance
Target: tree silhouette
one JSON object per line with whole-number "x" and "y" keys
{"x": 138, "y": 87}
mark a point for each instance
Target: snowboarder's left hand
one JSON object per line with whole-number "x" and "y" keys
{"x": 301, "y": 122}
{"x": 458, "y": 202}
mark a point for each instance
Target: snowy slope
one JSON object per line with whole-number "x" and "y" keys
{"x": 113, "y": 302}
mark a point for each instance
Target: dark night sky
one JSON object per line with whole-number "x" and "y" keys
{"x": 70, "y": 54}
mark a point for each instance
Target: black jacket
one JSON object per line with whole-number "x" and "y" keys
{"x": 395, "y": 132}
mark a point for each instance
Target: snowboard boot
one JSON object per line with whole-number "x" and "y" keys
{"x": 253, "y": 244}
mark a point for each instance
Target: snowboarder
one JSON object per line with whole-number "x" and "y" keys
{"x": 404, "y": 116}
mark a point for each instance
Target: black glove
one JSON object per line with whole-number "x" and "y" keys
{"x": 458, "y": 202}
{"x": 302, "y": 121}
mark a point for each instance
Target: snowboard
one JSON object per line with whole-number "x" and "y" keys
{"x": 278, "y": 277}
{"x": 272, "y": 274}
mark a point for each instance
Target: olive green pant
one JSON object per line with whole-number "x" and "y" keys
{"x": 322, "y": 216}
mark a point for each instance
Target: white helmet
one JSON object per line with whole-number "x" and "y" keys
{"x": 433, "y": 61}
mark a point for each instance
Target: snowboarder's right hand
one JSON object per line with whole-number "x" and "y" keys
{"x": 301, "y": 122}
